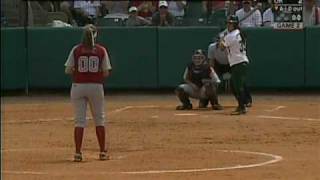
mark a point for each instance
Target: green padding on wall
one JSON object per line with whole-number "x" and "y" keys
{"x": 176, "y": 46}
{"x": 48, "y": 50}
{"x": 277, "y": 58}
{"x": 133, "y": 54}
{"x": 312, "y": 57}
{"x": 13, "y": 59}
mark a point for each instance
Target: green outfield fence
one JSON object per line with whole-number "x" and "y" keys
{"x": 155, "y": 57}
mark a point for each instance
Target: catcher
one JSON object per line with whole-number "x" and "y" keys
{"x": 200, "y": 83}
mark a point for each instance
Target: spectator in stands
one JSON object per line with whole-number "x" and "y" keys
{"x": 268, "y": 16}
{"x": 232, "y": 7}
{"x": 67, "y": 8}
{"x": 176, "y": 8}
{"x": 311, "y": 13}
{"x": 47, "y": 6}
{"x": 134, "y": 19}
{"x": 3, "y": 19}
{"x": 145, "y": 8}
{"x": 248, "y": 16}
{"x": 163, "y": 17}
{"x": 116, "y": 7}
{"x": 86, "y": 11}
{"x": 210, "y": 6}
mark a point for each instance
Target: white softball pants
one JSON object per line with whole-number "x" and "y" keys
{"x": 83, "y": 94}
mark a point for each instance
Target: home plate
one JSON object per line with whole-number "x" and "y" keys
{"x": 186, "y": 114}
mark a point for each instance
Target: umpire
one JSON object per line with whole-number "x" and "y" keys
{"x": 218, "y": 58}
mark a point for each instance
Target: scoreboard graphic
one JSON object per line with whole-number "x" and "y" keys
{"x": 288, "y": 14}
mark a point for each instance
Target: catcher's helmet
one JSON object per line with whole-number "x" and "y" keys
{"x": 233, "y": 19}
{"x": 198, "y": 57}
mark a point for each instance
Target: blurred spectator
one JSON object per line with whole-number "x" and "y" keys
{"x": 116, "y": 7}
{"x": 210, "y": 6}
{"x": 145, "y": 8}
{"x": 4, "y": 21}
{"x": 25, "y": 8}
{"x": 194, "y": 9}
{"x": 176, "y": 8}
{"x": 47, "y": 6}
{"x": 268, "y": 16}
{"x": 232, "y": 7}
{"x": 67, "y": 8}
{"x": 248, "y": 16}
{"x": 86, "y": 11}
{"x": 311, "y": 13}
{"x": 163, "y": 17}
{"x": 134, "y": 19}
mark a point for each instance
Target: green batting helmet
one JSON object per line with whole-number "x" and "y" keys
{"x": 233, "y": 19}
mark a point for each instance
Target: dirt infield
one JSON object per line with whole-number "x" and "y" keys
{"x": 148, "y": 140}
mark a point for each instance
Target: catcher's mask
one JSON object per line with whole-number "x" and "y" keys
{"x": 198, "y": 57}
{"x": 89, "y": 35}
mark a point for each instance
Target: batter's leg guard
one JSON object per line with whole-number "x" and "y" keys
{"x": 184, "y": 98}
{"x": 241, "y": 109}
{"x": 248, "y": 97}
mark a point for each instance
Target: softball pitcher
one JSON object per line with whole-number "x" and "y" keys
{"x": 200, "y": 83}
{"x": 234, "y": 41}
{"x": 88, "y": 64}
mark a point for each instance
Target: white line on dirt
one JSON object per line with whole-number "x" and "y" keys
{"x": 148, "y": 106}
{"x": 275, "y": 158}
{"x": 71, "y": 118}
{"x": 288, "y": 118}
{"x": 275, "y": 109}
{"x": 37, "y": 120}
{"x": 132, "y": 107}
{"x": 25, "y": 172}
{"x": 186, "y": 114}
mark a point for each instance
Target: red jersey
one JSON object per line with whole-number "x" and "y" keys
{"x": 88, "y": 64}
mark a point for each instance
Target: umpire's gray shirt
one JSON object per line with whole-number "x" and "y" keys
{"x": 221, "y": 56}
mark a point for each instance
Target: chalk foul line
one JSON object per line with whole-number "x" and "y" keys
{"x": 288, "y": 118}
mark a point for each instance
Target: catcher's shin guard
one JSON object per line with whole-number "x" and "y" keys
{"x": 211, "y": 93}
{"x": 203, "y": 103}
{"x": 184, "y": 98}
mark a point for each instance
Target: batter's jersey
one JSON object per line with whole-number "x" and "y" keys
{"x": 214, "y": 52}
{"x": 236, "y": 48}
{"x": 88, "y": 64}
{"x": 253, "y": 20}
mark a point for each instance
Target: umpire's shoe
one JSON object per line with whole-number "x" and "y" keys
{"x": 184, "y": 107}
{"x": 249, "y": 104}
{"x": 239, "y": 111}
{"x": 217, "y": 107}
